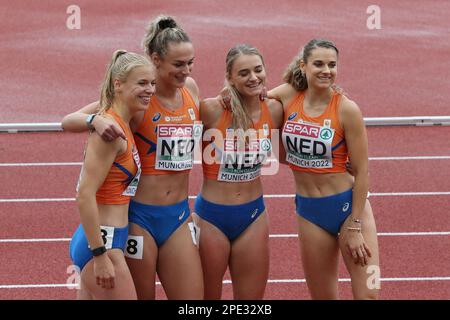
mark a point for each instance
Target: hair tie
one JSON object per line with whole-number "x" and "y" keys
{"x": 167, "y": 23}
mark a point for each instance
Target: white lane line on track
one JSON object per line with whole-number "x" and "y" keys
{"x": 287, "y": 235}
{"x": 51, "y": 164}
{"x": 41, "y": 164}
{"x": 72, "y": 286}
{"x": 380, "y": 234}
{"x": 268, "y": 196}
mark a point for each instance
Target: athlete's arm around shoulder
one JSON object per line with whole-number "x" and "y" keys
{"x": 104, "y": 126}
{"x": 284, "y": 93}
{"x": 76, "y": 121}
{"x": 210, "y": 112}
{"x": 193, "y": 89}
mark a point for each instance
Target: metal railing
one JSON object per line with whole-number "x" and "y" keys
{"x": 376, "y": 121}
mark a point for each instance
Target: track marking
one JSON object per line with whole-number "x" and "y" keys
{"x": 35, "y": 240}
{"x": 38, "y": 200}
{"x": 57, "y": 164}
{"x": 71, "y": 286}
{"x": 41, "y": 164}
{"x": 268, "y": 196}
{"x": 380, "y": 234}
{"x": 287, "y": 235}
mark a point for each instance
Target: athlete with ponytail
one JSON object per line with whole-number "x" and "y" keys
{"x": 108, "y": 180}
{"x": 322, "y": 130}
{"x": 233, "y": 223}
{"x": 162, "y": 233}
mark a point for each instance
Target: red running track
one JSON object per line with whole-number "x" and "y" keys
{"x": 403, "y": 257}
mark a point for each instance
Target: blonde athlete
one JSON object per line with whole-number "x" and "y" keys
{"x": 108, "y": 179}
{"x": 233, "y": 219}
{"x": 160, "y": 238}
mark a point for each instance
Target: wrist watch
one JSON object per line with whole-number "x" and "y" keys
{"x": 98, "y": 251}
{"x": 89, "y": 120}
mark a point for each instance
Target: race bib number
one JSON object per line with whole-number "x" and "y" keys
{"x": 175, "y": 146}
{"x": 308, "y": 145}
{"x": 107, "y": 236}
{"x": 243, "y": 165}
{"x": 132, "y": 187}
{"x": 135, "y": 247}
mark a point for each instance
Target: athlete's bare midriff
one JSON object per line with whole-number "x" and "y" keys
{"x": 229, "y": 193}
{"x": 162, "y": 190}
{"x": 322, "y": 185}
{"x": 114, "y": 215}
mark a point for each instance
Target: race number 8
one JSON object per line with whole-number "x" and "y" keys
{"x": 135, "y": 247}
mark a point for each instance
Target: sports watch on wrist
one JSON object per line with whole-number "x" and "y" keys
{"x": 89, "y": 120}
{"x": 98, "y": 251}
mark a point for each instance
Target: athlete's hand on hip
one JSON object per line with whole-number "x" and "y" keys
{"x": 104, "y": 271}
{"x": 108, "y": 129}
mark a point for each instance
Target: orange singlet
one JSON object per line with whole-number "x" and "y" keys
{"x": 123, "y": 177}
{"x": 314, "y": 144}
{"x": 223, "y": 160}
{"x": 165, "y": 139}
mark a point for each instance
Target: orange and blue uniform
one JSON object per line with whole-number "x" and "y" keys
{"x": 317, "y": 145}
{"x": 117, "y": 189}
{"x": 230, "y": 163}
{"x": 314, "y": 144}
{"x": 165, "y": 140}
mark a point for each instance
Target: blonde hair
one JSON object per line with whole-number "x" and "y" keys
{"x": 122, "y": 63}
{"x": 160, "y": 31}
{"x": 241, "y": 118}
{"x": 293, "y": 74}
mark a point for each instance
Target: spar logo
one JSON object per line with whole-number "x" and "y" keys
{"x": 325, "y": 134}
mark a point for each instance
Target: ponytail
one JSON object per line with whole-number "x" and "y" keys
{"x": 162, "y": 30}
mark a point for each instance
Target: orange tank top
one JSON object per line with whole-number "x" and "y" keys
{"x": 224, "y": 160}
{"x": 122, "y": 179}
{"x": 165, "y": 139}
{"x": 314, "y": 144}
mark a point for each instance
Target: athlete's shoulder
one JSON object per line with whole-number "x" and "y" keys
{"x": 193, "y": 89}
{"x": 284, "y": 93}
{"x": 276, "y": 111}
{"x": 210, "y": 111}
{"x": 348, "y": 105}
{"x": 349, "y": 111}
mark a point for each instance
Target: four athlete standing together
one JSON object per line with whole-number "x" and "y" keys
{"x": 321, "y": 131}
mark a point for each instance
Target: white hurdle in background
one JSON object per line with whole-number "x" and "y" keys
{"x": 377, "y": 121}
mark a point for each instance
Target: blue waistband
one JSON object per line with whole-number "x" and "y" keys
{"x": 162, "y": 209}
{"x": 327, "y": 212}
{"x": 205, "y": 205}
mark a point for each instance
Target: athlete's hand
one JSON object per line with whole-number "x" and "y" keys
{"x": 356, "y": 247}
{"x": 108, "y": 129}
{"x": 104, "y": 271}
{"x": 224, "y": 98}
